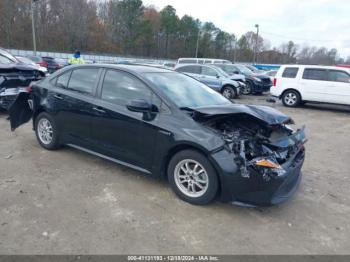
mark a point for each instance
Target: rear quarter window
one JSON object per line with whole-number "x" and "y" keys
{"x": 290, "y": 72}
{"x": 62, "y": 80}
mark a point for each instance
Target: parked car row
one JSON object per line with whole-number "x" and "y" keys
{"x": 215, "y": 72}
{"x": 215, "y": 78}
{"x": 52, "y": 64}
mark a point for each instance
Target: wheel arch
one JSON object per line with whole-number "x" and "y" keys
{"x": 291, "y": 89}
{"x": 227, "y": 85}
{"x": 37, "y": 112}
{"x": 181, "y": 147}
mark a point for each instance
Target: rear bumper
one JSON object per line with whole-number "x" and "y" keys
{"x": 8, "y": 96}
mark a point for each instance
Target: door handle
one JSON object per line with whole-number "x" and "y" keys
{"x": 58, "y": 97}
{"x": 99, "y": 109}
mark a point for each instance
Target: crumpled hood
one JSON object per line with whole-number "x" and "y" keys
{"x": 237, "y": 77}
{"x": 261, "y": 76}
{"x": 266, "y": 114}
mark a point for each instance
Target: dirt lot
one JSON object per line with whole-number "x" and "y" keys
{"x": 67, "y": 202}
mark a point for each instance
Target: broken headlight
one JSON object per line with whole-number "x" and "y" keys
{"x": 268, "y": 167}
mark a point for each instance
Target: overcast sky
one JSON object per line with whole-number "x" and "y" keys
{"x": 312, "y": 22}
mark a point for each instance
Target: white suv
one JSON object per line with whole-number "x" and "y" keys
{"x": 296, "y": 84}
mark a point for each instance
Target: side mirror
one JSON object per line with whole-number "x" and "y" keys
{"x": 139, "y": 105}
{"x": 236, "y": 72}
{"x": 217, "y": 76}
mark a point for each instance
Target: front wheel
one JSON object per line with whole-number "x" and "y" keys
{"x": 247, "y": 89}
{"x": 291, "y": 98}
{"x": 229, "y": 92}
{"x": 46, "y": 131}
{"x": 192, "y": 177}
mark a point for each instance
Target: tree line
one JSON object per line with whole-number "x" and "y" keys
{"x": 129, "y": 28}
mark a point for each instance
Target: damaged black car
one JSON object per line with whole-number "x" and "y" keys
{"x": 168, "y": 125}
{"x": 15, "y": 78}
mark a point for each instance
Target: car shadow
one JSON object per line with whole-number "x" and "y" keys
{"x": 327, "y": 107}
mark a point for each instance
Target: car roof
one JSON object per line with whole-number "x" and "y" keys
{"x": 131, "y": 68}
{"x": 208, "y": 65}
{"x": 313, "y": 66}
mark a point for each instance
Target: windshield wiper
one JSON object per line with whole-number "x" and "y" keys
{"x": 186, "y": 108}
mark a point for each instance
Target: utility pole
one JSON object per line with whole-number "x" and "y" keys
{"x": 33, "y": 25}
{"x": 197, "y": 46}
{"x": 256, "y": 44}
{"x": 234, "y": 49}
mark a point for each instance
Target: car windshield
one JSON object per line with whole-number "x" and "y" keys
{"x": 244, "y": 69}
{"x": 25, "y": 60}
{"x": 185, "y": 91}
{"x": 222, "y": 72}
{"x": 252, "y": 68}
{"x": 6, "y": 58}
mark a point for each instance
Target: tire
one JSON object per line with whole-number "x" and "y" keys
{"x": 247, "y": 90}
{"x": 46, "y": 131}
{"x": 186, "y": 184}
{"x": 229, "y": 92}
{"x": 291, "y": 98}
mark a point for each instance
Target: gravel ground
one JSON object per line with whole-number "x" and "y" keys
{"x": 68, "y": 202}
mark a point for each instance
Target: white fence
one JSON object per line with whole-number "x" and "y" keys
{"x": 88, "y": 57}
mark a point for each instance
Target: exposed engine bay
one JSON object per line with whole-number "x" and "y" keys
{"x": 256, "y": 144}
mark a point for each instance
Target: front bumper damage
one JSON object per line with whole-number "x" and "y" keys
{"x": 261, "y": 87}
{"x": 249, "y": 185}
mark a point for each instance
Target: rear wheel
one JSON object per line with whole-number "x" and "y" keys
{"x": 229, "y": 92}
{"x": 291, "y": 98}
{"x": 46, "y": 131}
{"x": 192, "y": 177}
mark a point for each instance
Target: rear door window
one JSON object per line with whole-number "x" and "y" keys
{"x": 207, "y": 71}
{"x": 339, "y": 76}
{"x": 83, "y": 80}
{"x": 290, "y": 72}
{"x": 315, "y": 74}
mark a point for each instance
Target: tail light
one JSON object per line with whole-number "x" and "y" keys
{"x": 43, "y": 64}
{"x": 29, "y": 89}
{"x": 274, "y": 81}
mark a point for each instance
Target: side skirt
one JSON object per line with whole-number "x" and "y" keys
{"x": 110, "y": 158}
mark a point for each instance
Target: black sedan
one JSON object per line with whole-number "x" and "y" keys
{"x": 168, "y": 125}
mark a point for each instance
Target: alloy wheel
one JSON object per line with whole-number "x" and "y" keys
{"x": 247, "y": 89}
{"x": 191, "y": 178}
{"x": 45, "y": 131}
{"x": 227, "y": 93}
{"x": 290, "y": 99}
